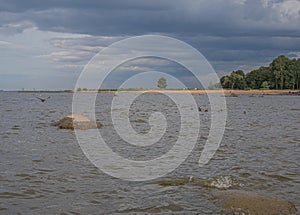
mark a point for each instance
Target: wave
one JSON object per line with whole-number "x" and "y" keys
{"x": 222, "y": 182}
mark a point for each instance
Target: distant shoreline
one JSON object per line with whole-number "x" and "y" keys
{"x": 201, "y": 92}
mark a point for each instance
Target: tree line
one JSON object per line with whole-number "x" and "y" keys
{"x": 282, "y": 73}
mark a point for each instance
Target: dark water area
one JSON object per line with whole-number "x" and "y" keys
{"x": 44, "y": 171}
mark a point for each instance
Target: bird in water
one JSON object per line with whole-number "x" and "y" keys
{"x": 200, "y": 109}
{"x": 43, "y": 99}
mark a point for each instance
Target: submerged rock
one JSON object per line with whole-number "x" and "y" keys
{"x": 77, "y": 121}
{"x": 253, "y": 203}
{"x": 158, "y": 209}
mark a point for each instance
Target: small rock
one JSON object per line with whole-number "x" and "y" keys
{"x": 77, "y": 121}
{"x": 233, "y": 95}
{"x": 254, "y": 203}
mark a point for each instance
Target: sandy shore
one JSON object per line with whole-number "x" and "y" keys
{"x": 228, "y": 92}
{"x": 202, "y": 92}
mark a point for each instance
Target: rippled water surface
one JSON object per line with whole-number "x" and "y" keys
{"x": 44, "y": 171}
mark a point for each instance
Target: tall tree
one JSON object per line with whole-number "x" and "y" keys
{"x": 237, "y": 80}
{"x": 298, "y": 73}
{"x": 293, "y": 77}
{"x": 225, "y": 82}
{"x": 279, "y": 68}
{"x": 162, "y": 83}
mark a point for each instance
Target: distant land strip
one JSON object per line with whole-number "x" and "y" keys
{"x": 193, "y": 91}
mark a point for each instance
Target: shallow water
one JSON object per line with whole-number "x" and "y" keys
{"x": 44, "y": 171}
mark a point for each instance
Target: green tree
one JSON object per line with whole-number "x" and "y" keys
{"x": 265, "y": 85}
{"x": 292, "y": 78}
{"x": 279, "y": 68}
{"x": 283, "y": 73}
{"x": 225, "y": 82}
{"x": 252, "y": 84}
{"x": 236, "y": 80}
{"x": 162, "y": 83}
{"x": 215, "y": 86}
{"x": 78, "y": 89}
{"x": 255, "y": 78}
{"x": 297, "y": 73}
{"x": 241, "y": 82}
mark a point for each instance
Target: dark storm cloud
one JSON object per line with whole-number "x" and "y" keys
{"x": 130, "y": 17}
{"x": 236, "y": 31}
{"x": 21, "y": 6}
{"x": 91, "y": 17}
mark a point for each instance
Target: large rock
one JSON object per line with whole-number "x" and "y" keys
{"x": 254, "y": 203}
{"x": 77, "y": 121}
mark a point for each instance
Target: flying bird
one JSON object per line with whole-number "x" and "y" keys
{"x": 43, "y": 99}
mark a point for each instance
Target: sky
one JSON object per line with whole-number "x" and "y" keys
{"x": 46, "y": 44}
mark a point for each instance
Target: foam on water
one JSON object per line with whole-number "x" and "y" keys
{"x": 223, "y": 182}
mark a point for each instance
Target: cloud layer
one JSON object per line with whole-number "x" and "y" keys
{"x": 232, "y": 34}
{"x": 130, "y": 17}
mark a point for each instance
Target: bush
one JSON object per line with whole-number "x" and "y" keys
{"x": 265, "y": 86}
